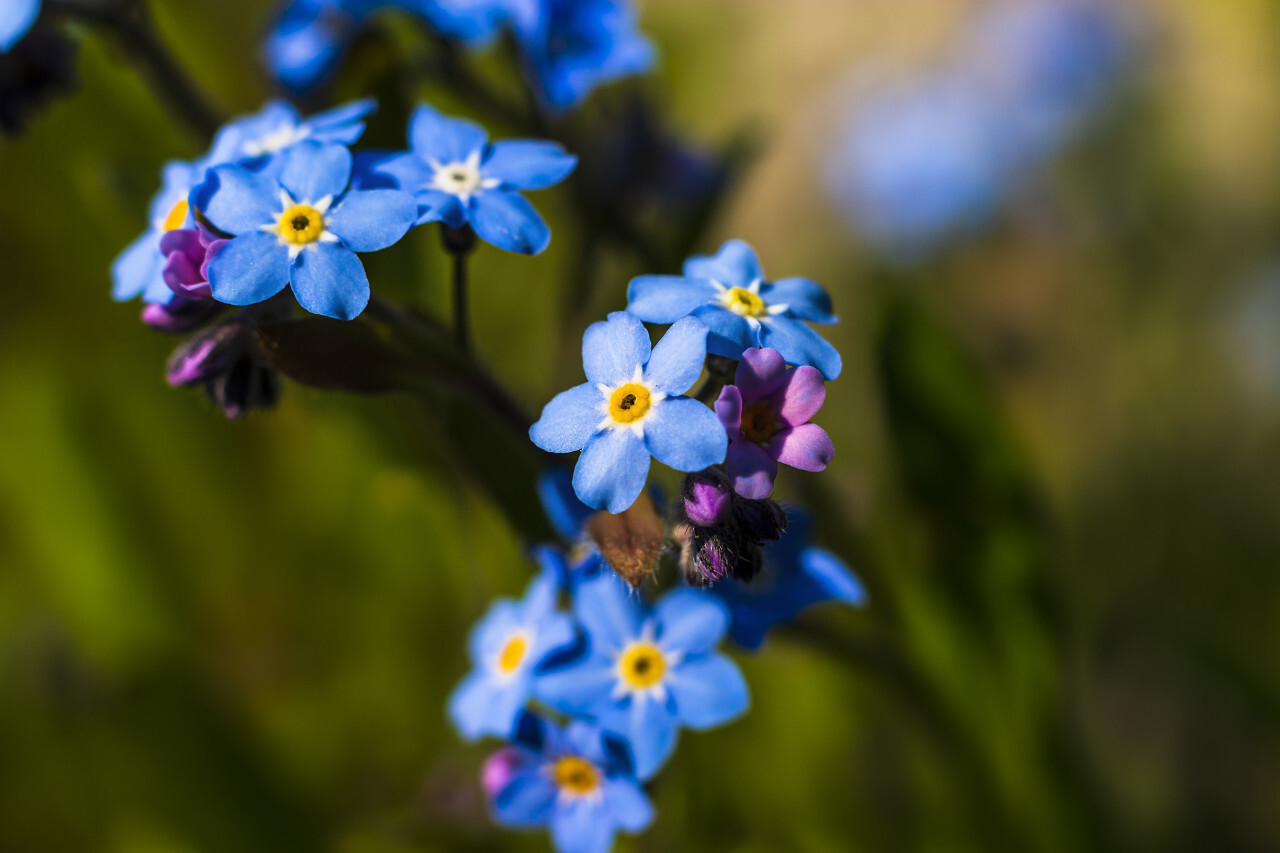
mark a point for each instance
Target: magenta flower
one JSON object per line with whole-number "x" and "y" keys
{"x": 187, "y": 252}
{"x": 766, "y": 413}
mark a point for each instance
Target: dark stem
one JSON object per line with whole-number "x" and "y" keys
{"x": 132, "y": 26}
{"x": 459, "y": 243}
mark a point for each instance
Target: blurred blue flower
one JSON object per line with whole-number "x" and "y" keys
{"x": 729, "y": 293}
{"x": 252, "y": 140}
{"x": 576, "y": 781}
{"x": 630, "y": 408}
{"x": 506, "y": 647}
{"x": 460, "y": 178}
{"x": 933, "y": 159}
{"x": 476, "y": 22}
{"x": 568, "y": 516}
{"x": 647, "y": 672}
{"x": 793, "y": 577}
{"x": 309, "y": 39}
{"x": 16, "y": 18}
{"x": 139, "y": 269}
{"x": 300, "y": 229}
{"x": 578, "y": 45}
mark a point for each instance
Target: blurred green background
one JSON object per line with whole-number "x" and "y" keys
{"x": 1058, "y": 472}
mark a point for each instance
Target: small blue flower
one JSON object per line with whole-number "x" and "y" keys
{"x": 302, "y": 229}
{"x": 794, "y": 576}
{"x": 647, "y": 672}
{"x": 460, "y": 178}
{"x": 476, "y": 22}
{"x": 631, "y": 408}
{"x": 16, "y": 18}
{"x": 310, "y": 38}
{"x": 729, "y": 293}
{"x": 576, "y": 781}
{"x": 506, "y": 647}
{"x": 252, "y": 140}
{"x": 581, "y": 44}
{"x": 139, "y": 269}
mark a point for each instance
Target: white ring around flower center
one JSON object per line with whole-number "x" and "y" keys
{"x": 635, "y": 425}
{"x": 277, "y": 140}
{"x": 727, "y": 298}
{"x": 461, "y": 178}
{"x": 642, "y": 686}
{"x": 286, "y": 203}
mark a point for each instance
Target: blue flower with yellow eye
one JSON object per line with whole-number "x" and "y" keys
{"x": 577, "y": 781}
{"x": 648, "y": 671}
{"x": 460, "y": 178}
{"x": 16, "y": 18}
{"x": 631, "y": 408}
{"x": 578, "y": 45}
{"x": 506, "y": 647}
{"x": 301, "y": 229}
{"x": 729, "y": 293}
{"x": 793, "y": 577}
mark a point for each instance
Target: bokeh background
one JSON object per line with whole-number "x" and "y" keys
{"x": 1058, "y": 473}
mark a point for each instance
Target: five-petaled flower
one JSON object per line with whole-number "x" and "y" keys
{"x": 277, "y": 127}
{"x": 302, "y": 229}
{"x": 460, "y": 178}
{"x": 506, "y": 647}
{"x": 766, "y": 413}
{"x": 646, "y": 672}
{"x": 743, "y": 310}
{"x": 577, "y": 781}
{"x": 631, "y": 408}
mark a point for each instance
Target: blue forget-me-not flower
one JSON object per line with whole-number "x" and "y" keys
{"x": 252, "y": 140}
{"x": 729, "y": 293}
{"x": 506, "y": 647}
{"x": 300, "y": 229}
{"x": 16, "y": 18}
{"x": 631, "y": 408}
{"x": 309, "y": 39}
{"x": 648, "y": 671}
{"x": 794, "y": 576}
{"x": 460, "y": 178}
{"x": 577, "y": 781}
{"x": 581, "y": 44}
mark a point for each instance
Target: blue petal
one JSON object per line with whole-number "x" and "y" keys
{"x": 313, "y": 171}
{"x": 307, "y": 41}
{"x": 610, "y": 611}
{"x": 677, "y": 360}
{"x": 831, "y": 576}
{"x": 735, "y": 265}
{"x": 241, "y": 201}
{"x": 445, "y": 140}
{"x": 570, "y": 419}
{"x": 729, "y": 333}
{"x": 504, "y": 618}
{"x": 481, "y": 706}
{"x": 666, "y": 298}
{"x": 554, "y": 633}
{"x": 799, "y": 344}
{"x": 249, "y": 269}
{"x": 614, "y": 348}
{"x": 709, "y": 691}
{"x": 581, "y": 825}
{"x": 579, "y": 688}
{"x": 684, "y": 434}
{"x": 690, "y": 621}
{"x": 651, "y": 729}
{"x": 329, "y": 280}
{"x": 566, "y": 513}
{"x": 528, "y": 164}
{"x": 527, "y": 800}
{"x": 803, "y": 297}
{"x": 343, "y": 124}
{"x": 628, "y": 804}
{"x": 397, "y": 171}
{"x": 136, "y": 267}
{"x": 370, "y": 220}
{"x": 612, "y": 469}
{"x": 586, "y": 740}
{"x": 508, "y": 221}
{"x": 539, "y": 599}
{"x": 437, "y": 206}
{"x": 16, "y": 17}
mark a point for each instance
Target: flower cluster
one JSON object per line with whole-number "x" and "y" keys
{"x": 280, "y": 201}
{"x": 932, "y": 158}
{"x": 566, "y": 48}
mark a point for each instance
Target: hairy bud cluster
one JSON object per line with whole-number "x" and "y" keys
{"x": 720, "y": 533}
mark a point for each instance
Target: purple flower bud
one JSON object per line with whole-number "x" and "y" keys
{"x": 188, "y": 251}
{"x": 180, "y": 315}
{"x": 248, "y": 385}
{"x": 208, "y": 355}
{"x": 707, "y": 502}
{"x": 225, "y": 360}
{"x": 720, "y": 532}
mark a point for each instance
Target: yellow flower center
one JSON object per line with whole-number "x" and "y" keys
{"x": 642, "y": 665}
{"x": 758, "y": 423}
{"x": 177, "y": 216}
{"x": 512, "y": 654}
{"x": 744, "y": 303}
{"x": 301, "y": 225}
{"x": 575, "y": 775}
{"x": 629, "y": 403}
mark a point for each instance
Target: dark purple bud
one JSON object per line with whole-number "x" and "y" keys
{"x": 248, "y": 385}
{"x": 707, "y": 501}
{"x": 180, "y": 315}
{"x": 208, "y": 355}
{"x": 759, "y": 520}
{"x": 186, "y": 269}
